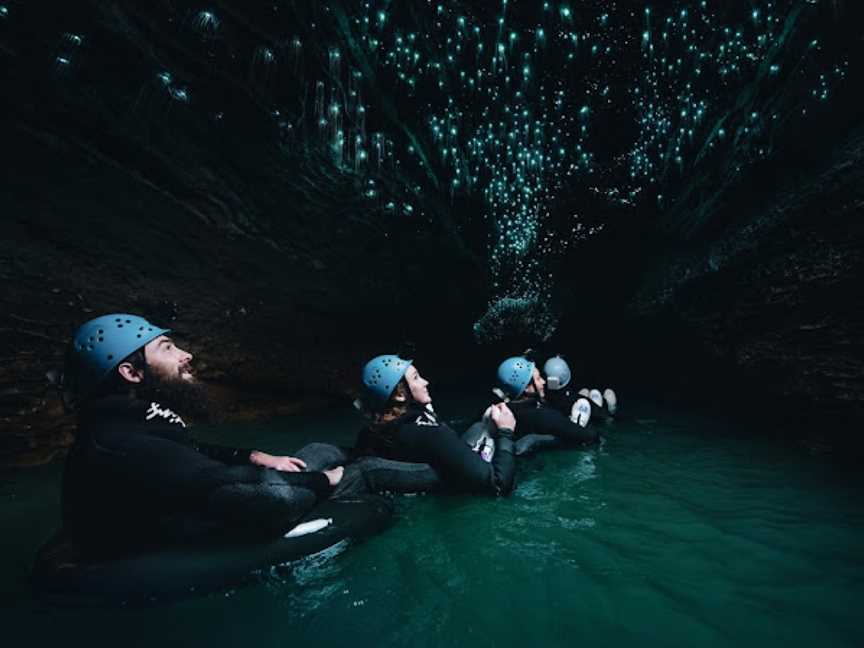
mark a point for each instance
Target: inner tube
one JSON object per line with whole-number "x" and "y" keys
{"x": 181, "y": 572}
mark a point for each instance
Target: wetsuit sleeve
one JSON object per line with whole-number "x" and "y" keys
{"x": 225, "y": 454}
{"x": 460, "y": 465}
{"x": 182, "y": 477}
{"x": 562, "y": 401}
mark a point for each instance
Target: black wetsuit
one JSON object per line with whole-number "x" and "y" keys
{"x": 418, "y": 436}
{"x": 548, "y": 424}
{"x": 563, "y": 399}
{"x": 135, "y": 478}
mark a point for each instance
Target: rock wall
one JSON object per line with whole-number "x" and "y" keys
{"x": 148, "y": 169}
{"x": 764, "y": 312}
{"x": 278, "y": 315}
{"x": 779, "y": 296}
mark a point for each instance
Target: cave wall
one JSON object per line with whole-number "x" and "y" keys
{"x": 278, "y": 317}
{"x": 274, "y": 318}
{"x": 150, "y": 173}
{"x": 190, "y": 199}
{"x": 764, "y": 313}
{"x": 779, "y": 298}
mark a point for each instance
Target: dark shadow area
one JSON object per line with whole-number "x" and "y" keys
{"x": 180, "y": 163}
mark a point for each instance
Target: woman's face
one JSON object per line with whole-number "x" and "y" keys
{"x": 418, "y": 386}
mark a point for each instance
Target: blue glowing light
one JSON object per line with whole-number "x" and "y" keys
{"x": 206, "y": 23}
{"x": 518, "y": 114}
{"x": 179, "y": 94}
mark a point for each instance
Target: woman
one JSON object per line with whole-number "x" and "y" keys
{"x": 405, "y": 428}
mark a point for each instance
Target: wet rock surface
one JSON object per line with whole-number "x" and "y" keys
{"x": 780, "y": 297}
{"x": 278, "y": 318}
{"x": 765, "y": 314}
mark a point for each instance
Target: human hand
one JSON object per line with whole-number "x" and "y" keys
{"x": 286, "y": 464}
{"x": 502, "y": 417}
{"x": 334, "y": 475}
{"x": 289, "y": 464}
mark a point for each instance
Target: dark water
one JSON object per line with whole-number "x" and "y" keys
{"x": 679, "y": 530}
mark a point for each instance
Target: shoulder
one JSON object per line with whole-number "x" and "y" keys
{"x": 425, "y": 418}
{"x": 125, "y": 417}
{"x": 546, "y": 409}
{"x": 524, "y": 405}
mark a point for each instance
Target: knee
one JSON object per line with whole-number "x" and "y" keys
{"x": 322, "y": 456}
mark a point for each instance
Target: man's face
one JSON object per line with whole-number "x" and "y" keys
{"x": 537, "y": 385}
{"x": 168, "y": 362}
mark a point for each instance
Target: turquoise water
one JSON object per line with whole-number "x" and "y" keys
{"x": 678, "y": 530}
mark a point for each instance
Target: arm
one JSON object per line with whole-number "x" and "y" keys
{"x": 276, "y": 462}
{"x": 225, "y": 454}
{"x": 178, "y": 478}
{"x": 561, "y": 401}
{"x": 244, "y": 456}
{"x": 461, "y": 466}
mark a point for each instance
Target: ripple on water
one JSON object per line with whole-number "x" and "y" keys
{"x": 674, "y": 534}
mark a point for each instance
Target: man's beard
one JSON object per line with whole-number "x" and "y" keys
{"x": 188, "y": 398}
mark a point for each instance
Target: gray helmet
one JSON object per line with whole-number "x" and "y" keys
{"x": 557, "y": 373}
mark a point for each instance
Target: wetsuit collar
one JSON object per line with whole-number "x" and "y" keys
{"x": 127, "y": 407}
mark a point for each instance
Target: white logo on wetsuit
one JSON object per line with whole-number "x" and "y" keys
{"x": 485, "y": 447}
{"x": 155, "y": 410}
{"x": 427, "y": 418}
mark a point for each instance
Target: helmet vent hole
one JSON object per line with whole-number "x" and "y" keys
{"x": 116, "y": 319}
{"x": 128, "y": 321}
{"x": 101, "y": 339}
{"x": 110, "y": 357}
{"x": 119, "y": 326}
{"x": 139, "y": 335}
{"x": 101, "y": 331}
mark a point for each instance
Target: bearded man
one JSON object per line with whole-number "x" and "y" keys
{"x": 135, "y": 476}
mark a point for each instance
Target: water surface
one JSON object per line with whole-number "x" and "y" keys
{"x": 678, "y": 530}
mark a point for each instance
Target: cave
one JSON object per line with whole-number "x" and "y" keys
{"x": 664, "y": 193}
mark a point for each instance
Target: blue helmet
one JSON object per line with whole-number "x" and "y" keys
{"x": 557, "y": 373}
{"x": 514, "y": 374}
{"x": 380, "y": 377}
{"x": 102, "y": 343}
